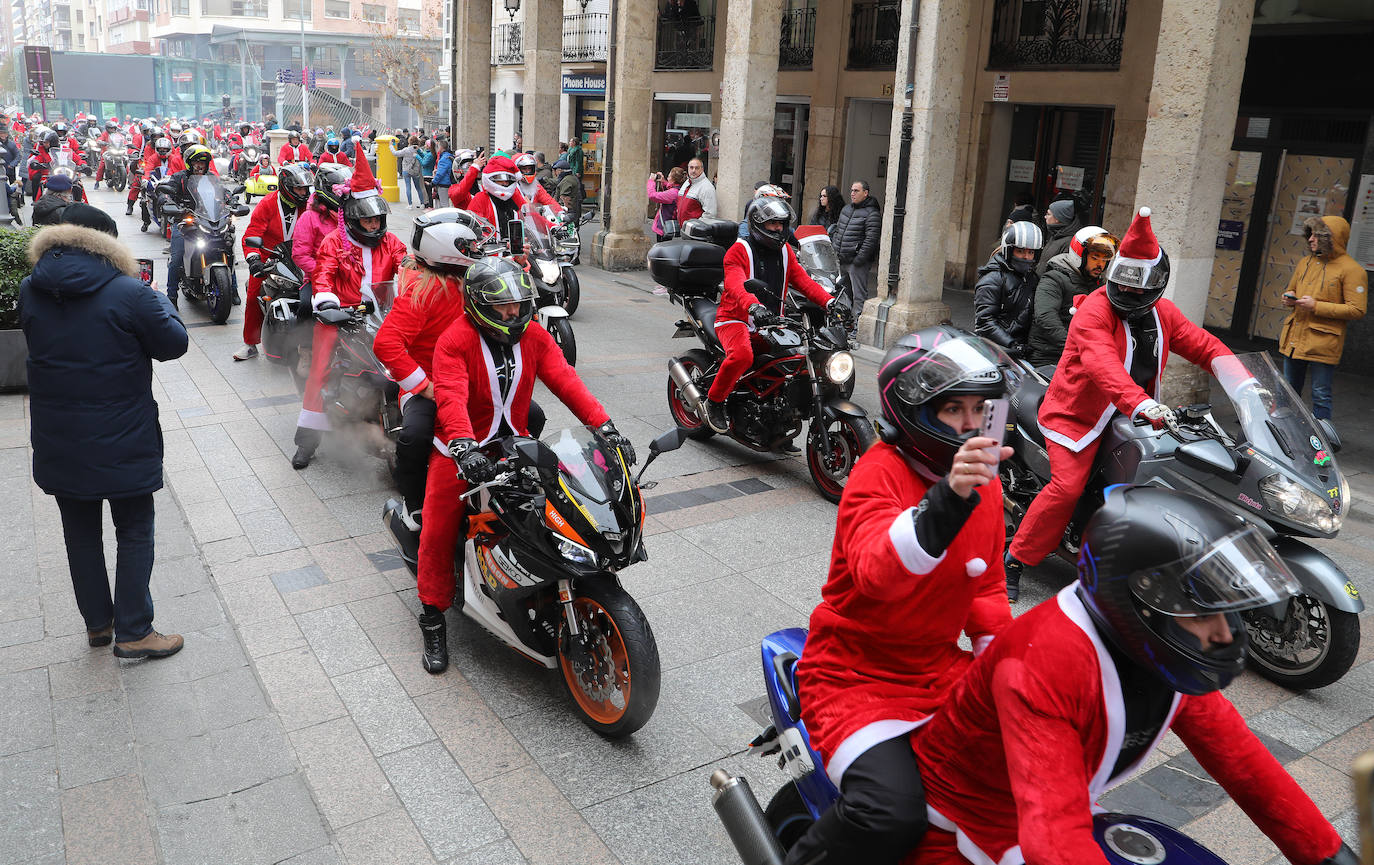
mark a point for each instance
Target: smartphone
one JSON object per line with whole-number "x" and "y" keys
{"x": 1288, "y": 295}
{"x": 516, "y": 233}
{"x": 995, "y": 425}
{"x": 1364, "y": 802}
{"x": 145, "y": 271}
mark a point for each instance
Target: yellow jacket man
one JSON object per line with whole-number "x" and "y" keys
{"x": 1328, "y": 289}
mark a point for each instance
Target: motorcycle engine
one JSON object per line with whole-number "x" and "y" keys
{"x": 354, "y": 399}
{"x": 764, "y": 421}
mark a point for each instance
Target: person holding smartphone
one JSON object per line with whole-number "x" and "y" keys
{"x": 664, "y": 192}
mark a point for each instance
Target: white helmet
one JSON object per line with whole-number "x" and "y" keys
{"x": 1023, "y": 235}
{"x": 448, "y": 240}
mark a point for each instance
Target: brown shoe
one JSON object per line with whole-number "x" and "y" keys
{"x": 100, "y": 636}
{"x": 154, "y": 645}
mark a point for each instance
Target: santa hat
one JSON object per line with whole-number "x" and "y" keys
{"x": 363, "y": 184}
{"x": 500, "y": 163}
{"x": 1138, "y": 253}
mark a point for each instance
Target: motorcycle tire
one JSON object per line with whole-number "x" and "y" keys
{"x": 625, "y": 650}
{"x": 562, "y": 333}
{"x": 849, "y": 439}
{"x": 572, "y": 291}
{"x": 219, "y": 298}
{"x": 1335, "y": 652}
{"x": 696, "y": 362}
{"x": 787, "y": 816}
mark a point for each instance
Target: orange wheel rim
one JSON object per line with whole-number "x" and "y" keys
{"x": 602, "y": 692}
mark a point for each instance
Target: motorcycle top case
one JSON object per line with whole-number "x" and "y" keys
{"x": 689, "y": 268}
{"x": 712, "y": 229}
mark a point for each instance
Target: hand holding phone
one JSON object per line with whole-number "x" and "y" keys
{"x": 995, "y": 426}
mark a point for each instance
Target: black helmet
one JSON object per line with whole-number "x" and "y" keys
{"x": 329, "y": 175}
{"x": 245, "y": 127}
{"x": 1151, "y": 556}
{"x": 765, "y": 210}
{"x": 112, "y": 124}
{"x": 449, "y": 240}
{"x": 61, "y": 128}
{"x": 1123, "y": 274}
{"x": 163, "y": 146}
{"x": 356, "y": 208}
{"x": 52, "y": 140}
{"x": 919, "y": 372}
{"x": 492, "y": 282}
{"x": 294, "y": 182}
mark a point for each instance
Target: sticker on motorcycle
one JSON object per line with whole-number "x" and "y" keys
{"x": 1246, "y": 500}
{"x": 513, "y": 569}
{"x": 1333, "y": 493}
{"x": 1351, "y": 590}
{"x": 491, "y": 573}
{"x": 1322, "y": 458}
{"x": 1315, "y": 442}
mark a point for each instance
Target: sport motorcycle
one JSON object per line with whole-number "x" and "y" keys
{"x": 283, "y": 297}
{"x": 1263, "y": 457}
{"x": 208, "y": 251}
{"x": 547, "y": 275}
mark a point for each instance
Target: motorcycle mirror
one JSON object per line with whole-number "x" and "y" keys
{"x": 756, "y": 287}
{"x": 537, "y": 453}
{"x": 1208, "y": 456}
{"x": 1329, "y": 431}
{"x": 241, "y": 210}
{"x": 668, "y": 441}
{"x": 253, "y": 242}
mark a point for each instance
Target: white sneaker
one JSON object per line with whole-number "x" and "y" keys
{"x": 410, "y": 518}
{"x": 248, "y": 352}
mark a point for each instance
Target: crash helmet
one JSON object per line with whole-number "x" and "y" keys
{"x": 294, "y": 183}
{"x": 762, "y": 211}
{"x": 1022, "y": 235}
{"x": 174, "y": 128}
{"x": 449, "y": 240}
{"x": 163, "y": 146}
{"x": 499, "y": 178}
{"x": 293, "y": 137}
{"x": 357, "y": 208}
{"x": 772, "y": 190}
{"x": 463, "y": 158}
{"x": 493, "y": 282}
{"x": 265, "y": 160}
{"x": 327, "y": 177}
{"x": 1088, "y": 242}
{"x": 111, "y": 125}
{"x": 332, "y": 145}
{"x": 52, "y": 140}
{"x": 245, "y": 128}
{"x": 61, "y": 128}
{"x": 146, "y": 128}
{"x": 188, "y": 140}
{"x": 526, "y": 164}
{"x": 198, "y": 154}
{"x": 917, "y": 376}
{"x": 1139, "y": 272}
{"x": 1151, "y": 557}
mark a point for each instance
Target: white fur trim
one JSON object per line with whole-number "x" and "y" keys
{"x": 1145, "y": 212}
{"x": 975, "y": 567}
{"x": 902, "y": 534}
{"x": 363, "y": 193}
{"x": 970, "y": 850}
{"x": 864, "y": 738}
{"x": 441, "y": 446}
{"x": 316, "y": 420}
{"x": 412, "y": 381}
{"x": 320, "y": 297}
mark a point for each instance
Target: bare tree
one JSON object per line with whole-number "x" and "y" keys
{"x": 404, "y": 63}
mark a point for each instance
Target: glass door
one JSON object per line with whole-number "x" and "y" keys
{"x": 788, "y": 165}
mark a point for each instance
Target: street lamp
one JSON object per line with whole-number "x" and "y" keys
{"x": 512, "y": 6}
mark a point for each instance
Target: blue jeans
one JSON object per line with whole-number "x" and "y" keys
{"x": 132, "y": 607}
{"x": 174, "y": 264}
{"x": 417, "y": 184}
{"x": 1322, "y": 373}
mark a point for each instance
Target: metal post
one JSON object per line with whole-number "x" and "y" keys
{"x": 243, "y": 74}
{"x": 305, "y": 80}
{"x": 453, "y": 34}
{"x": 605, "y": 192}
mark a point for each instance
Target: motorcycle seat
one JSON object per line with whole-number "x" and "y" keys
{"x": 703, "y": 312}
{"x": 1025, "y": 407}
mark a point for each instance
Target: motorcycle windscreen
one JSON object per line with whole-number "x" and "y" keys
{"x": 1239, "y": 572}
{"x": 209, "y": 197}
{"x": 593, "y": 475}
{"x": 816, "y": 253}
{"x": 536, "y": 230}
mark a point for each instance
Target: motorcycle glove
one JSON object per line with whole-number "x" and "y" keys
{"x": 254, "y": 262}
{"x": 1343, "y": 856}
{"x": 616, "y": 439}
{"x": 473, "y": 465}
{"x": 1158, "y": 414}
{"x": 842, "y": 313}
{"x": 762, "y": 315}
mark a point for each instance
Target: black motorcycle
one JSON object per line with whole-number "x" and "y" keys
{"x": 285, "y": 302}
{"x": 208, "y": 255}
{"x": 802, "y": 371}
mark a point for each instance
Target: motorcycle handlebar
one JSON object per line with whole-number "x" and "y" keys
{"x": 501, "y": 479}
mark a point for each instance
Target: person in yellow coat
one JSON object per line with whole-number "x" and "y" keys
{"x": 1328, "y": 289}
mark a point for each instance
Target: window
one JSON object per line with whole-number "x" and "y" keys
{"x": 295, "y": 10}
{"x": 249, "y": 8}
{"x": 408, "y": 20}
{"x": 374, "y": 12}
{"x": 336, "y": 9}
{"x": 181, "y": 7}
{"x": 326, "y": 60}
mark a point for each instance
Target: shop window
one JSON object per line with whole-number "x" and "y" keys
{"x": 408, "y": 20}
{"x": 336, "y": 9}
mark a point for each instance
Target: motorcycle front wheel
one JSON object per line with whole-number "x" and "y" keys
{"x": 219, "y": 297}
{"x": 1313, "y": 646}
{"x": 849, "y": 438}
{"x": 562, "y": 333}
{"x": 617, "y": 693}
{"x": 572, "y": 290}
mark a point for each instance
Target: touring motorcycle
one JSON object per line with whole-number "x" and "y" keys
{"x": 116, "y": 160}
{"x": 208, "y": 252}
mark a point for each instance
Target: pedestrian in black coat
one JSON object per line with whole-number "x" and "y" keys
{"x": 93, "y": 330}
{"x": 855, "y": 235}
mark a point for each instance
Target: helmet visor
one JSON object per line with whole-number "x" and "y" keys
{"x": 495, "y": 290}
{"x": 361, "y": 208}
{"x": 1239, "y": 572}
{"x": 965, "y": 360}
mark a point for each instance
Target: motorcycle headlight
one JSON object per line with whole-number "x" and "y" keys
{"x": 575, "y": 552}
{"x": 548, "y": 271}
{"x": 1295, "y": 502}
{"x": 200, "y": 243}
{"x": 840, "y": 367}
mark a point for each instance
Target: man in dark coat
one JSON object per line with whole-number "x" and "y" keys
{"x": 1077, "y": 270}
{"x": 855, "y": 235}
{"x": 1061, "y": 224}
{"x": 93, "y": 330}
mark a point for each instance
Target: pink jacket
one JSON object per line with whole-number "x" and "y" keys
{"x": 667, "y": 203}
{"x": 311, "y": 230}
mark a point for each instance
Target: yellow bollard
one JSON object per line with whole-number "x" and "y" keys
{"x": 386, "y": 167}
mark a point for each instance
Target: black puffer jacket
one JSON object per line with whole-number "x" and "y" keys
{"x": 1054, "y": 296}
{"x": 857, "y": 231}
{"x": 1002, "y": 303}
{"x": 1059, "y": 238}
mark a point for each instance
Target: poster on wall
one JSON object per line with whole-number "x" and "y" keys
{"x": 1362, "y": 224}
{"x": 1068, "y": 177}
{"x": 1021, "y": 171}
{"x": 1311, "y": 202}
{"x": 1230, "y": 232}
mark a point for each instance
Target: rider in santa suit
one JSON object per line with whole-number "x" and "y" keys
{"x": 332, "y": 154}
{"x": 500, "y": 200}
{"x": 485, "y": 366}
{"x": 322, "y": 216}
{"x": 294, "y": 151}
{"x": 273, "y": 222}
{"x": 1119, "y": 341}
{"x": 351, "y": 262}
{"x": 530, "y": 188}
{"x": 1075, "y": 695}
{"x": 916, "y": 562}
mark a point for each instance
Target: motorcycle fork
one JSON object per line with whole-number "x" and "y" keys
{"x": 579, "y": 654}
{"x": 818, "y": 402}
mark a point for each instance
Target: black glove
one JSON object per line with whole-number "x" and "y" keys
{"x": 762, "y": 316}
{"x": 473, "y": 465}
{"x": 842, "y": 313}
{"x": 1343, "y": 856}
{"x": 616, "y": 439}
{"x": 255, "y": 265}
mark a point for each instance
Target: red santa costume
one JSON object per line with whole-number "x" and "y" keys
{"x": 460, "y": 193}
{"x": 1093, "y": 382}
{"x": 406, "y": 340}
{"x": 883, "y": 650}
{"x": 273, "y": 221}
{"x": 289, "y": 154}
{"x": 339, "y": 158}
{"x": 485, "y": 203}
{"x": 1039, "y": 721}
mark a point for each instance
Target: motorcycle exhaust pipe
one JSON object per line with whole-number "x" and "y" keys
{"x": 739, "y": 812}
{"x": 678, "y": 373}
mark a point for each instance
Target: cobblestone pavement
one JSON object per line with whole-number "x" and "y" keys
{"x": 297, "y": 725}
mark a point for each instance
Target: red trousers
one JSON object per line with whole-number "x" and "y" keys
{"x": 739, "y": 356}
{"x": 252, "y": 313}
{"x": 1045, "y": 520}
{"x": 135, "y": 183}
{"x": 322, "y": 356}
{"x": 440, "y": 531}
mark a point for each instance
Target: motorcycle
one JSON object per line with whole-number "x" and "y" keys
{"x": 544, "y": 543}
{"x": 548, "y": 281}
{"x": 1267, "y": 460}
{"x": 91, "y": 145}
{"x": 208, "y": 257}
{"x": 282, "y": 303}
{"x": 242, "y": 162}
{"x": 762, "y": 836}
{"x": 566, "y": 246}
{"x": 801, "y": 369}
{"x": 116, "y": 160}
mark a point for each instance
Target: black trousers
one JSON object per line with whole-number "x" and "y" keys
{"x": 413, "y": 446}
{"x": 130, "y": 609}
{"x": 879, "y": 817}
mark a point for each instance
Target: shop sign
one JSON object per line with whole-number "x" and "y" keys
{"x": 1230, "y": 232}
{"x": 1021, "y": 171}
{"x": 181, "y": 76}
{"x": 1068, "y": 177}
{"x": 576, "y": 82}
{"x": 1001, "y": 87}
{"x": 1310, "y": 203}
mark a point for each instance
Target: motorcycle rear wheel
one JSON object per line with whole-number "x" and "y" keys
{"x": 787, "y": 816}
{"x": 620, "y": 694}
{"x": 849, "y": 439}
{"x": 1334, "y": 634}
{"x": 572, "y": 291}
{"x": 696, "y": 362}
{"x": 562, "y": 333}
{"x": 219, "y": 299}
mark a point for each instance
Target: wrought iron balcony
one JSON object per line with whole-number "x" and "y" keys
{"x": 798, "y": 40}
{"x": 686, "y": 43}
{"x": 873, "y": 28}
{"x": 585, "y": 37}
{"x": 1052, "y": 34}
{"x": 507, "y": 49}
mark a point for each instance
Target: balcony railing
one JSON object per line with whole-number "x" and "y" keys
{"x": 506, "y": 46}
{"x": 686, "y": 43}
{"x": 873, "y": 28}
{"x": 798, "y": 40}
{"x": 1048, "y": 34}
{"x": 585, "y": 37}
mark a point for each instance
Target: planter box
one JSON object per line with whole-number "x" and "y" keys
{"x": 14, "y": 353}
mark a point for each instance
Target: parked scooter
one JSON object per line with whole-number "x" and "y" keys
{"x": 1270, "y": 463}
{"x": 208, "y": 256}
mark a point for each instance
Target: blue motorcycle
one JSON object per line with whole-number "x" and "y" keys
{"x": 762, "y": 836}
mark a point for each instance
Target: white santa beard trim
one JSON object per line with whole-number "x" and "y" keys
{"x": 412, "y": 380}
{"x": 315, "y": 420}
{"x": 864, "y": 738}
{"x": 902, "y": 534}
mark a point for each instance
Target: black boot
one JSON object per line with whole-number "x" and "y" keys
{"x": 1013, "y": 569}
{"x": 434, "y": 631}
{"x": 716, "y": 418}
{"x": 129, "y": 209}
{"x": 306, "y": 442}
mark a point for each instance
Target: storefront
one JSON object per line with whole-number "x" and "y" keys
{"x": 1058, "y": 150}
{"x": 684, "y": 121}
{"x": 589, "y": 125}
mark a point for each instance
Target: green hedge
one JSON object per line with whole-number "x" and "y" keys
{"x": 14, "y": 266}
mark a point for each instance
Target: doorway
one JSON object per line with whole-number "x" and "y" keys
{"x": 867, "y": 129}
{"x": 1058, "y": 151}
{"x": 789, "y": 150}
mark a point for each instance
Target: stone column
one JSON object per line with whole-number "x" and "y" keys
{"x": 1194, "y": 98}
{"x": 748, "y": 101}
{"x": 933, "y": 48}
{"x": 623, "y": 245}
{"x": 471, "y": 128}
{"x": 543, "y": 40}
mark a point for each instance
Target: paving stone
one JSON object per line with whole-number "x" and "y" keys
{"x": 382, "y": 710}
{"x": 269, "y": 531}
{"x": 1333, "y": 709}
{"x": 211, "y": 520}
{"x": 245, "y": 495}
{"x": 338, "y": 640}
{"x": 299, "y": 690}
{"x": 21, "y": 631}
{"x": 335, "y": 593}
{"x": 250, "y": 565}
{"x": 173, "y": 577}
{"x": 543, "y": 825}
{"x": 400, "y": 646}
{"x": 1230, "y": 834}
{"x": 318, "y": 856}
{"x": 230, "y": 698}
{"x": 203, "y": 833}
{"x": 708, "y": 695}
{"x": 796, "y": 582}
{"x": 194, "y": 485}
{"x": 386, "y": 560}
{"x": 1329, "y": 788}
{"x": 29, "y": 799}
{"x": 271, "y": 636}
{"x": 740, "y": 613}
{"x": 280, "y": 818}
{"x": 107, "y": 821}
{"x": 1340, "y": 752}
{"x": 348, "y": 782}
{"x": 97, "y": 671}
{"x": 446, "y": 809}
{"x": 503, "y": 852}
{"x": 1288, "y": 729}
{"x": 165, "y": 712}
{"x": 296, "y": 579}
{"x": 188, "y": 613}
{"x": 387, "y": 839}
{"x": 1185, "y": 785}
{"x": 26, "y": 720}
{"x": 252, "y": 600}
{"x": 1139, "y": 797}
{"x": 674, "y": 563}
{"x": 274, "y": 472}
{"x": 342, "y": 559}
{"x": 382, "y": 610}
{"x": 213, "y": 650}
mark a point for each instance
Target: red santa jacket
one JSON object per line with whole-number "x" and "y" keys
{"x": 541, "y": 195}
{"x": 739, "y": 266}
{"x": 346, "y": 272}
{"x": 465, "y": 384}
{"x": 405, "y": 342}
{"x": 267, "y": 223}
{"x": 340, "y": 158}
{"x": 481, "y": 205}
{"x": 1093, "y": 379}
{"x": 460, "y": 193}
{"x": 1029, "y": 738}
{"x": 288, "y": 154}
{"x": 883, "y": 649}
